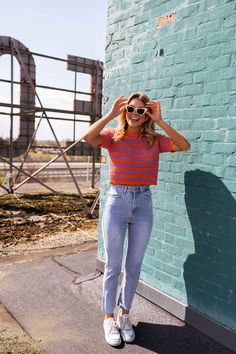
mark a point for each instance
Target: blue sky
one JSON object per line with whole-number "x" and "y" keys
{"x": 55, "y": 28}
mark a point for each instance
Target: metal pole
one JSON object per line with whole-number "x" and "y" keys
{"x": 5, "y": 189}
{"x": 93, "y": 168}
{"x": 74, "y": 101}
{"x": 30, "y": 176}
{"x": 27, "y": 151}
{"x": 10, "y": 180}
{"x": 96, "y": 200}
{"x": 47, "y": 164}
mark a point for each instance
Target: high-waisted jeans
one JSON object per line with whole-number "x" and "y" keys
{"x": 127, "y": 208}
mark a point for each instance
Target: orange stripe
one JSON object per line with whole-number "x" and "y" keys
{"x": 130, "y": 175}
{"x": 144, "y": 144}
{"x": 119, "y": 168}
{"x": 171, "y": 146}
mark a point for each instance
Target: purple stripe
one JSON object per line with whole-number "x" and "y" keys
{"x": 133, "y": 142}
{"x": 164, "y": 143}
{"x": 134, "y": 148}
{"x": 133, "y": 165}
{"x": 134, "y": 151}
{"x": 134, "y": 158}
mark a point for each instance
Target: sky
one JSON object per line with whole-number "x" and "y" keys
{"x": 55, "y": 28}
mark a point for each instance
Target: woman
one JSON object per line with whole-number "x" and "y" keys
{"x": 134, "y": 149}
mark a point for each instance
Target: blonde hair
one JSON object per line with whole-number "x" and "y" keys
{"x": 148, "y": 127}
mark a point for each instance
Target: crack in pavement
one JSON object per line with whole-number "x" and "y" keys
{"x": 63, "y": 265}
{"x": 79, "y": 279}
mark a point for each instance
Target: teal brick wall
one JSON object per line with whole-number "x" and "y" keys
{"x": 188, "y": 64}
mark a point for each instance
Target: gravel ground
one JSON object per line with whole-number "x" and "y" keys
{"x": 32, "y": 223}
{"x": 14, "y": 341}
{"x": 59, "y": 239}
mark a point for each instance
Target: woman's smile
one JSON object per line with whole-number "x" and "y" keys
{"x": 134, "y": 119}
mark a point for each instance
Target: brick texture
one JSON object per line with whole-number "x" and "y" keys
{"x": 189, "y": 65}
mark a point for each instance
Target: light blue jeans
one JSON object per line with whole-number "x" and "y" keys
{"x": 127, "y": 208}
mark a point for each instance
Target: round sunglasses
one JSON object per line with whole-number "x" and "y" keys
{"x": 139, "y": 111}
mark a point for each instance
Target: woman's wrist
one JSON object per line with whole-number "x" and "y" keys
{"x": 160, "y": 122}
{"x": 108, "y": 117}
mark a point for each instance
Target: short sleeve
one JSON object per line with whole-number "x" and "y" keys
{"x": 106, "y": 135}
{"x": 165, "y": 143}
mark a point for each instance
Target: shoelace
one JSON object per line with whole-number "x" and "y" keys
{"x": 127, "y": 324}
{"x": 114, "y": 327}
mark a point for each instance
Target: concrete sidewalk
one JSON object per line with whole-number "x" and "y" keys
{"x": 57, "y": 300}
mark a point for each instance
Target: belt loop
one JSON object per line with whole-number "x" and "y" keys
{"x": 125, "y": 190}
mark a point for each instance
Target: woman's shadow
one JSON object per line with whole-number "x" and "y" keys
{"x": 209, "y": 274}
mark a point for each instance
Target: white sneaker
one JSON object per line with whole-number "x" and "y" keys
{"x": 126, "y": 328}
{"x": 112, "y": 334}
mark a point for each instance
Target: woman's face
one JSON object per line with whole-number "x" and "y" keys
{"x": 135, "y": 120}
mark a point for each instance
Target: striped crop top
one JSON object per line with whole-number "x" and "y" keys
{"x": 132, "y": 160}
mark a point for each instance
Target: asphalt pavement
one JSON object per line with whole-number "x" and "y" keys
{"x": 56, "y": 299}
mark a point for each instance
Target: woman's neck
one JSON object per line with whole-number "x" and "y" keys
{"x": 134, "y": 130}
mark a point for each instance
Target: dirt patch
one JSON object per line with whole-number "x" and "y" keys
{"x": 41, "y": 221}
{"x": 13, "y": 341}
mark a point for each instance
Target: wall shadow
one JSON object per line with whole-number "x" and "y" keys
{"x": 209, "y": 274}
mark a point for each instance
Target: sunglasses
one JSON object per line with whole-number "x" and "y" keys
{"x": 139, "y": 111}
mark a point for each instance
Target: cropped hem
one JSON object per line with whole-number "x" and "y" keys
{"x": 138, "y": 183}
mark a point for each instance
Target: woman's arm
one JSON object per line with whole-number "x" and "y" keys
{"x": 92, "y": 136}
{"x": 180, "y": 142}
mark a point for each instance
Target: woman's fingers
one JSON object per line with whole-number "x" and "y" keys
{"x": 153, "y": 104}
{"x": 123, "y": 103}
{"x": 119, "y": 105}
{"x": 155, "y": 108}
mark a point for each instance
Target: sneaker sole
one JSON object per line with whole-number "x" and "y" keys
{"x": 127, "y": 340}
{"x": 113, "y": 344}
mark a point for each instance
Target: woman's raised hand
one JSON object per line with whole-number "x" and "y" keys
{"x": 118, "y": 106}
{"x": 155, "y": 111}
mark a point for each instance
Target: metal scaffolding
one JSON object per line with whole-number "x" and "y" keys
{"x": 22, "y": 145}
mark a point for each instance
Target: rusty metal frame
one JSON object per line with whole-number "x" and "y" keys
{"x": 12, "y": 186}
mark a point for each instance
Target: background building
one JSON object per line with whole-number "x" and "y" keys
{"x": 183, "y": 54}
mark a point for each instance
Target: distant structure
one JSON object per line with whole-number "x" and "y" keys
{"x": 27, "y": 110}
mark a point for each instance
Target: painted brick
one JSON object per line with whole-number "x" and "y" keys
{"x": 228, "y": 73}
{"x": 231, "y": 137}
{"x": 176, "y": 272}
{"x": 222, "y": 37}
{"x": 215, "y": 86}
{"x": 209, "y": 27}
{"x": 183, "y": 79}
{"x": 233, "y": 59}
{"x": 224, "y": 148}
{"x": 189, "y": 65}
{"x": 192, "y": 89}
{"x": 204, "y": 76}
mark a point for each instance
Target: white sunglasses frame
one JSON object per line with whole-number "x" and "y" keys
{"x": 136, "y": 110}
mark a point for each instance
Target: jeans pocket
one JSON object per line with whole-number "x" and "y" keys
{"x": 147, "y": 198}
{"x": 115, "y": 194}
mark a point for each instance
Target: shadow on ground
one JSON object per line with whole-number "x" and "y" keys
{"x": 169, "y": 339}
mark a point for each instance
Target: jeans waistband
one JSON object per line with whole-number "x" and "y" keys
{"x": 130, "y": 188}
